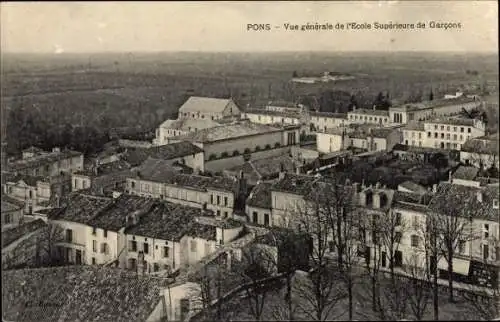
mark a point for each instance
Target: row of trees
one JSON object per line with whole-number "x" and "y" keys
{"x": 362, "y": 242}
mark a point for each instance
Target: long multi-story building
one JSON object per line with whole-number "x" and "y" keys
{"x": 241, "y": 137}
{"x": 39, "y": 163}
{"x": 137, "y": 233}
{"x": 157, "y": 179}
{"x": 361, "y": 136}
{"x": 406, "y": 113}
{"x": 442, "y": 133}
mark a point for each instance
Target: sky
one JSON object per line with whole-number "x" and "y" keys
{"x": 80, "y": 27}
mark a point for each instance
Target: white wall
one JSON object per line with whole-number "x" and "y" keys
{"x": 326, "y": 143}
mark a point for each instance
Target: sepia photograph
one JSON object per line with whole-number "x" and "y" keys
{"x": 250, "y": 161}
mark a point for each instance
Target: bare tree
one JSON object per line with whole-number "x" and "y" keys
{"x": 452, "y": 229}
{"x": 391, "y": 227}
{"x": 337, "y": 199}
{"x": 417, "y": 284}
{"x": 432, "y": 245}
{"x": 319, "y": 292}
{"x": 258, "y": 263}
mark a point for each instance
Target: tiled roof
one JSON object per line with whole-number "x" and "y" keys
{"x": 204, "y": 105}
{"x": 226, "y": 223}
{"x": 465, "y": 173}
{"x": 78, "y": 293}
{"x": 39, "y": 160}
{"x": 259, "y": 111}
{"x": 7, "y": 206}
{"x": 330, "y": 115}
{"x": 370, "y": 112}
{"x": 481, "y": 146}
{"x": 12, "y": 201}
{"x": 462, "y": 201}
{"x": 81, "y": 208}
{"x": 295, "y": 183}
{"x": 198, "y": 230}
{"x": 157, "y": 171}
{"x": 410, "y": 185}
{"x": 113, "y": 218}
{"x": 13, "y": 234}
{"x": 164, "y": 152}
{"x": 453, "y": 121}
{"x": 230, "y": 131}
{"x": 107, "y": 168}
{"x": 264, "y": 168}
{"x": 167, "y": 221}
{"x": 189, "y": 124}
{"x": 260, "y": 196}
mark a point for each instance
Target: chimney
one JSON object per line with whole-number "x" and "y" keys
{"x": 479, "y": 196}
{"x": 376, "y": 200}
{"x": 434, "y": 188}
{"x": 449, "y": 176}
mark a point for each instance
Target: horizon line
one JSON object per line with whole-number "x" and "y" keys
{"x": 245, "y": 52}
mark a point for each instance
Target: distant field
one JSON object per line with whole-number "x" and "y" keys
{"x": 114, "y": 90}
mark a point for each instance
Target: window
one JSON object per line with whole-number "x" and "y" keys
{"x": 448, "y": 136}
{"x": 132, "y": 246}
{"x": 166, "y": 251}
{"x": 486, "y": 252}
{"x": 461, "y": 137}
{"x": 212, "y": 199}
{"x": 104, "y": 248}
{"x": 146, "y": 248}
{"x": 454, "y": 137}
{"x": 94, "y": 246}
{"x": 415, "y": 223}
{"x": 429, "y": 134}
{"x": 30, "y": 192}
{"x": 193, "y": 246}
{"x": 462, "y": 129}
{"x": 105, "y": 233}
{"x": 132, "y": 184}
{"x": 225, "y": 201}
{"x": 218, "y": 200}
{"x": 218, "y": 213}
{"x": 413, "y": 134}
{"x": 69, "y": 235}
{"x": 454, "y": 129}
{"x": 435, "y": 135}
{"x": 94, "y": 231}
{"x": 397, "y": 237}
{"x": 419, "y": 135}
{"x": 226, "y": 214}
{"x": 435, "y": 127}
{"x": 442, "y": 127}
{"x": 266, "y": 219}
{"x": 468, "y": 130}
{"x": 8, "y": 219}
{"x": 461, "y": 246}
{"x": 414, "y": 241}
{"x": 486, "y": 229}
{"x": 447, "y": 128}
{"x": 93, "y": 261}
{"x": 442, "y": 135}
{"x": 255, "y": 217}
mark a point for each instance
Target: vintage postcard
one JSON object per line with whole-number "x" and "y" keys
{"x": 250, "y": 161}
